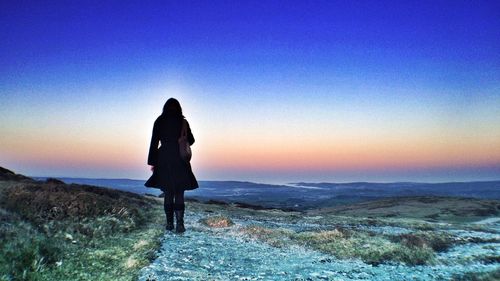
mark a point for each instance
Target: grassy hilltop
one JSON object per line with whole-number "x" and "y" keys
{"x": 54, "y": 231}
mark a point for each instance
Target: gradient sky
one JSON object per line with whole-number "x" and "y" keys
{"x": 275, "y": 91}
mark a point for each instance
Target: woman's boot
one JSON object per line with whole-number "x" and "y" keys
{"x": 179, "y": 219}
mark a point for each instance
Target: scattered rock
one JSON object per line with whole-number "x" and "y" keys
{"x": 131, "y": 262}
{"x": 140, "y": 244}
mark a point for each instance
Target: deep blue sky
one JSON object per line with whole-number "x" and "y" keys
{"x": 355, "y": 72}
{"x": 369, "y": 38}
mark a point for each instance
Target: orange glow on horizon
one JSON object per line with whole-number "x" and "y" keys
{"x": 251, "y": 151}
{"x": 350, "y": 155}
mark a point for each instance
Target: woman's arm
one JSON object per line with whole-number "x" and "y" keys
{"x": 153, "y": 147}
{"x": 189, "y": 134}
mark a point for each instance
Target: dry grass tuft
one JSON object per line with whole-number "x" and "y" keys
{"x": 217, "y": 221}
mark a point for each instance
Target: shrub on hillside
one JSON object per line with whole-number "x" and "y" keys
{"x": 41, "y": 201}
{"x": 217, "y": 221}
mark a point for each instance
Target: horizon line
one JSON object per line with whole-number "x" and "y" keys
{"x": 288, "y": 183}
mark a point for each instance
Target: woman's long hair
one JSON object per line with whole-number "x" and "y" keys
{"x": 172, "y": 108}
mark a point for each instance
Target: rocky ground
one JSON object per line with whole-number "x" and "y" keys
{"x": 231, "y": 243}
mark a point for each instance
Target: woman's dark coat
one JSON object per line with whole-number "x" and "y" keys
{"x": 170, "y": 171}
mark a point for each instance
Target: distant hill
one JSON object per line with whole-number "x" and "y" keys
{"x": 475, "y": 189}
{"x": 8, "y": 175}
{"x": 433, "y": 208}
{"x": 306, "y": 196}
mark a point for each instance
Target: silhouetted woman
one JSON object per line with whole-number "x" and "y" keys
{"x": 173, "y": 175}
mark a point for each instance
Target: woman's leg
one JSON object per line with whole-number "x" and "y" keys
{"x": 179, "y": 210}
{"x": 168, "y": 207}
{"x": 179, "y": 200}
